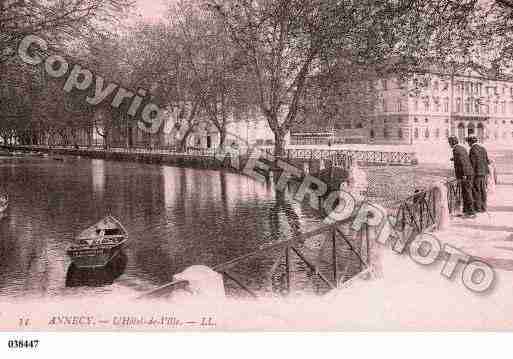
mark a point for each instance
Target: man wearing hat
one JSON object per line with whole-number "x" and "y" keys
{"x": 464, "y": 172}
{"x": 479, "y": 159}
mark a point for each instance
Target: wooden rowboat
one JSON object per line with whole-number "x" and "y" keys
{"x": 96, "y": 246}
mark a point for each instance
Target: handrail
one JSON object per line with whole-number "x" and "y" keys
{"x": 290, "y": 246}
{"x": 177, "y": 284}
{"x": 282, "y": 244}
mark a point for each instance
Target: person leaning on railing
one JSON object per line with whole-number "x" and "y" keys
{"x": 480, "y": 163}
{"x": 464, "y": 173}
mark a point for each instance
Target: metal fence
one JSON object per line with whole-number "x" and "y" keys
{"x": 419, "y": 211}
{"x": 289, "y": 266}
{"x": 343, "y": 254}
{"x": 454, "y": 198}
{"x": 422, "y": 210}
{"x": 366, "y": 157}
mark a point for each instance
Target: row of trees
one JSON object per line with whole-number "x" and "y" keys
{"x": 28, "y": 103}
{"x": 213, "y": 61}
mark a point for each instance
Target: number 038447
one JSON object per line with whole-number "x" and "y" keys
{"x": 22, "y": 344}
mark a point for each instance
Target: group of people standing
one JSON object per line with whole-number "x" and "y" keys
{"x": 472, "y": 169}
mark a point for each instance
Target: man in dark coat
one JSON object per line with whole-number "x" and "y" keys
{"x": 464, "y": 172}
{"x": 479, "y": 159}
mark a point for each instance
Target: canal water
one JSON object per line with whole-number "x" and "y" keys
{"x": 176, "y": 218}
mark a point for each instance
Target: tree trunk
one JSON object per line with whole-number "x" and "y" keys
{"x": 222, "y": 138}
{"x": 183, "y": 141}
{"x": 89, "y": 137}
{"x": 51, "y": 136}
{"x": 74, "y": 138}
{"x": 106, "y": 141}
{"x": 279, "y": 144}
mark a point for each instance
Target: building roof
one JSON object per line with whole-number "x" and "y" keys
{"x": 398, "y": 64}
{"x": 469, "y": 69}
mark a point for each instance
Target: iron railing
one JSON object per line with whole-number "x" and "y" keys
{"x": 418, "y": 211}
{"x": 367, "y": 157}
{"x": 454, "y": 198}
{"x": 289, "y": 266}
{"x": 422, "y": 210}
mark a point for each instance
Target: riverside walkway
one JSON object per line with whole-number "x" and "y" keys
{"x": 489, "y": 236}
{"x": 314, "y": 159}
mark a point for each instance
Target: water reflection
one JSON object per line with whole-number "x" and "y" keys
{"x": 175, "y": 218}
{"x": 96, "y": 277}
{"x": 98, "y": 176}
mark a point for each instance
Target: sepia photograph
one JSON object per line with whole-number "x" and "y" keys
{"x": 255, "y": 166}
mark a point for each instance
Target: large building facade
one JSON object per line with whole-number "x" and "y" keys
{"x": 425, "y": 107}
{"x": 431, "y": 106}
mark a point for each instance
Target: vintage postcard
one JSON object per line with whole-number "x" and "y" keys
{"x": 210, "y": 165}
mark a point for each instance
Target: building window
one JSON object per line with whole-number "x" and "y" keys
{"x": 426, "y": 104}
{"x": 437, "y": 104}
{"x": 385, "y": 132}
{"x": 416, "y": 105}
{"x": 435, "y": 85}
{"x": 447, "y": 134}
{"x": 446, "y": 120}
{"x": 416, "y": 133}
{"x": 371, "y": 133}
{"x": 503, "y": 122}
{"x": 437, "y": 133}
{"x": 385, "y": 84}
{"x": 467, "y": 106}
{"x": 476, "y": 107}
{"x": 399, "y": 105}
{"x": 446, "y": 104}
{"x": 495, "y": 106}
{"x": 426, "y": 120}
{"x": 400, "y": 133}
{"x": 458, "y": 105}
{"x": 426, "y": 133}
{"x": 503, "y": 107}
{"x": 415, "y": 119}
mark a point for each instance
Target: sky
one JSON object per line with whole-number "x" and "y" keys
{"x": 151, "y": 9}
